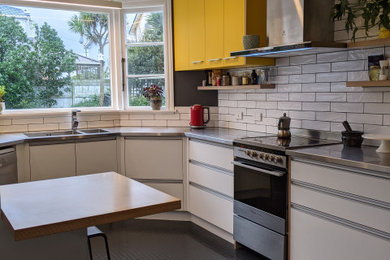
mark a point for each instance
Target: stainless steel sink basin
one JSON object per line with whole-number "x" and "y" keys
{"x": 53, "y": 133}
{"x": 93, "y": 131}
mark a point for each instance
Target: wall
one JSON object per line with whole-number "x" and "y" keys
{"x": 49, "y": 122}
{"x": 312, "y": 90}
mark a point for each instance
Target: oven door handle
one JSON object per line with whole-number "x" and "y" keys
{"x": 274, "y": 173}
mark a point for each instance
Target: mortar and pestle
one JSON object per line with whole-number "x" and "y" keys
{"x": 351, "y": 138}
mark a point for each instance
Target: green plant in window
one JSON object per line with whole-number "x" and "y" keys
{"x": 2, "y": 93}
{"x": 373, "y": 12}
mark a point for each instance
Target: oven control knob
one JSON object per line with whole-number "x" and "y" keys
{"x": 254, "y": 154}
{"x": 248, "y": 153}
{"x": 272, "y": 158}
{"x": 261, "y": 155}
{"x": 266, "y": 156}
{"x": 279, "y": 159}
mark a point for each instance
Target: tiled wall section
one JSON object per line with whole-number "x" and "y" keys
{"x": 312, "y": 90}
{"x": 180, "y": 118}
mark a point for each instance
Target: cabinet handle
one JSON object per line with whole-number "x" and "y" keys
{"x": 197, "y": 62}
{"x": 230, "y": 58}
{"x": 214, "y": 60}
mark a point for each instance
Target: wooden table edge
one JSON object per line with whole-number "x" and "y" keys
{"x": 54, "y": 228}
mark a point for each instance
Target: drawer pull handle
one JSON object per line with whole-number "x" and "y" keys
{"x": 261, "y": 170}
{"x": 214, "y": 60}
{"x": 197, "y": 62}
{"x": 230, "y": 58}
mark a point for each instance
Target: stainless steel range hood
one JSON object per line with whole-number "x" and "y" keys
{"x": 297, "y": 27}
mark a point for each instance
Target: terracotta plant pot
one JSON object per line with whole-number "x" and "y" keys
{"x": 155, "y": 103}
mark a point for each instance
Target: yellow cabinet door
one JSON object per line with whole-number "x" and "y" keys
{"x": 196, "y": 33}
{"x": 180, "y": 20}
{"x": 233, "y": 30}
{"x": 214, "y": 33}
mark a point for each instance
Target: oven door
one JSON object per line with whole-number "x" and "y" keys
{"x": 260, "y": 194}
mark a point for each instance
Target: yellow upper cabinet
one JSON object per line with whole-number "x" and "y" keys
{"x": 207, "y": 31}
{"x": 214, "y": 33}
{"x": 196, "y": 28}
{"x": 180, "y": 32}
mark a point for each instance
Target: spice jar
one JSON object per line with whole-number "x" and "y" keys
{"x": 225, "y": 80}
{"x": 245, "y": 80}
{"x": 374, "y": 72}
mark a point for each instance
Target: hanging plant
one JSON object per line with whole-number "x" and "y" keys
{"x": 373, "y": 12}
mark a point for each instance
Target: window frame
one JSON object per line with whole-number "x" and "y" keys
{"x": 150, "y": 6}
{"x": 114, "y": 50}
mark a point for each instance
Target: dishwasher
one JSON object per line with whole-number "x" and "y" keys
{"x": 8, "y": 168}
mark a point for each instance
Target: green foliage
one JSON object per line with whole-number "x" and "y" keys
{"x": 94, "y": 101}
{"x": 373, "y": 12}
{"x": 139, "y": 101}
{"x": 35, "y": 72}
{"x": 2, "y": 93}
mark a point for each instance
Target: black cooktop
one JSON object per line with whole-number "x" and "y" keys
{"x": 273, "y": 142}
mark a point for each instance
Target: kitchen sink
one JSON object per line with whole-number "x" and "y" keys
{"x": 93, "y": 131}
{"x": 53, "y": 133}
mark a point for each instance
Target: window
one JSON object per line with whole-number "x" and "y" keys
{"x": 145, "y": 47}
{"x": 54, "y": 58}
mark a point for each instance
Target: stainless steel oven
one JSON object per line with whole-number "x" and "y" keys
{"x": 260, "y": 200}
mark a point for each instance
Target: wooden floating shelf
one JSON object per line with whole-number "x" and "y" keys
{"x": 380, "y": 83}
{"x": 369, "y": 43}
{"x": 242, "y": 87}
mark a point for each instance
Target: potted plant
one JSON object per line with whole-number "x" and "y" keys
{"x": 373, "y": 12}
{"x": 2, "y": 103}
{"x": 155, "y": 95}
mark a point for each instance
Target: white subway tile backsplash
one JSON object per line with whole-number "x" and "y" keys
{"x": 386, "y": 119}
{"x": 348, "y": 65}
{"x": 25, "y": 121}
{"x": 282, "y": 61}
{"x": 5, "y": 122}
{"x": 347, "y": 107}
{"x": 303, "y": 59}
{"x": 266, "y": 105}
{"x": 365, "y": 118}
{"x": 358, "y": 76}
{"x": 316, "y": 106}
{"x": 316, "y": 87}
{"x": 42, "y": 127}
{"x": 331, "y": 116}
{"x": 277, "y": 97}
{"x": 332, "y": 57}
{"x": 314, "y": 68}
{"x": 365, "y": 97}
{"x": 386, "y": 97}
{"x": 341, "y": 87}
{"x": 331, "y": 77}
{"x": 289, "y": 88}
{"x": 331, "y": 97}
{"x": 151, "y": 123}
{"x": 237, "y": 96}
{"x": 374, "y": 108}
{"x": 362, "y": 54}
{"x": 303, "y": 78}
{"x": 289, "y": 70}
{"x": 302, "y": 115}
{"x": 246, "y": 104}
{"x": 255, "y": 97}
{"x": 302, "y": 97}
{"x": 289, "y": 105}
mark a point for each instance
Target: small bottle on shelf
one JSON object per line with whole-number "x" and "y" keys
{"x": 254, "y": 77}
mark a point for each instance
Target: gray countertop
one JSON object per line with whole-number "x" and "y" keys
{"x": 217, "y": 135}
{"x": 363, "y": 158}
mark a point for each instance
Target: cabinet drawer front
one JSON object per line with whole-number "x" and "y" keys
{"x": 154, "y": 159}
{"x": 212, "y": 179}
{"x": 312, "y": 237}
{"x": 214, "y": 209}
{"x": 347, "y": 181}
{"x": 173, "y": 189}
{"x": 355, "y": 211}
{"x": 215, "y": 155}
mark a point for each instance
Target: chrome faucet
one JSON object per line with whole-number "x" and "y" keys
{"x": 75, "y": 122}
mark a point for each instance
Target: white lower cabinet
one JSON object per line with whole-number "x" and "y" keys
{"x": 155, "y": 158}
{"x": 52, "y": 161}
{"x": 173, "y": 189}
{"x": 213, "y": 208}
{"x": 96, "y": 157}
{"x": 338, "y": 213}
{"x": 312, "y": 237}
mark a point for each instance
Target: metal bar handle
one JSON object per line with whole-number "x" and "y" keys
{"x": 230, "y": 58}
{"x": 274, "y": 173}
{"x": 197, "y": 62}
{"x": 215, "y": 59}
{"x": 7, "y": 150}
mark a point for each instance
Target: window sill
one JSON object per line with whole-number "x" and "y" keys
{"x": 67, "y": 111}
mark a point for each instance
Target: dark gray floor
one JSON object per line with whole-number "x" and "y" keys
{"x": 165, "y": 240}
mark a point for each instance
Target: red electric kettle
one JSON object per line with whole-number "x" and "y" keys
{"x": 197, "y": 120}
